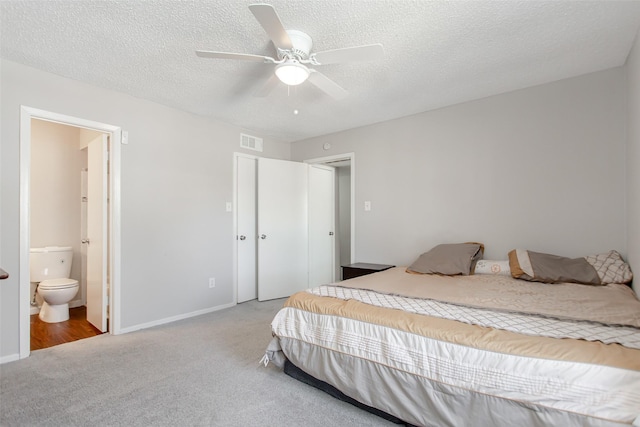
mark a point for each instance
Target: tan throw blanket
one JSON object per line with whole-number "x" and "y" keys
{"x": 611, "y": 304}
{"x": 493, "y": 340}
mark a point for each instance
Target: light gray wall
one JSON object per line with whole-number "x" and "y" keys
{"x": 540, "y": 168}
{"x": 176, "y": 177}
{"x": 633, "y": 160}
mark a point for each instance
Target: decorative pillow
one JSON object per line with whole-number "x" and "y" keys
{"x": 610, "y": 267}
{"x": 449, "y": 259}
{"x": 485, "y": 266}
{"x": 598, "y": 269}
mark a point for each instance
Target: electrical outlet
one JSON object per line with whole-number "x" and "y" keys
{"x": 212, "y": 282}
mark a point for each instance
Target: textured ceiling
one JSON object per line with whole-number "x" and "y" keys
{"x": 436, "y": 53}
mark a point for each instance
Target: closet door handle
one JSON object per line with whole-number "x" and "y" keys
{"x": 331, "y": 233}
{"x": 263, "y": 236}
{"x": 85, "y": 241}
{"x": 243, "y": 237}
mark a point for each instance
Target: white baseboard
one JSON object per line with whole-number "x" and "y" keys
{"x": 174, "y": 318}
{"x": 14, "y": 357}
{"x": 75, "y": 303}
{"x": 9, "y": 358}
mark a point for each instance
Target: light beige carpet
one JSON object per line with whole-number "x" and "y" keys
{"x": 202, "y": 371}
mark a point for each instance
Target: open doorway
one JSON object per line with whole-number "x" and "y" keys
{"x": 344, "y": 165}
{"x": 69, "y": 173}
{"x": 64, "y": 170}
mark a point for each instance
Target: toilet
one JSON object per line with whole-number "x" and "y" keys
{"x": 50, "y": 267}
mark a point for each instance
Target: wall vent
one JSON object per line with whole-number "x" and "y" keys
{"x": 250, "y": 142}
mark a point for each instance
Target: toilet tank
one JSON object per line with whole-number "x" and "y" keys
{"x": 52, "y": 262}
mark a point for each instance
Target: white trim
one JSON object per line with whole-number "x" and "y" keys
{"x": 352, "y": 158}
{"x": 25, "y": 286}
{"x": 115, "y": 137}
{"x": 76, "y": 303}
{"x": 176, "y": 318}
{"x": 9, "y": 358}
{"x": 116, "y": 227}
{"x": 322, "y": 166}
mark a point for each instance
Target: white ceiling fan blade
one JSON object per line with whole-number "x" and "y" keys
{"x": 327, "y": 85}
{"x": 268, "y": 18}
{"x": 268, "y": 87}
{"x": 230, "y": 55}
{"x": 369, "y": 52}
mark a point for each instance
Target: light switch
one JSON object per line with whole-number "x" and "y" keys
{"x": 367, "y": 206}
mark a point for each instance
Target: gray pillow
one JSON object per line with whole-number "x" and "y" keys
{"x": 601, "y": 269}
{"x": 449, "y": 259}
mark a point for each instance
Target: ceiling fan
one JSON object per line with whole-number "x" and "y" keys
{"x": 294, "y": 57}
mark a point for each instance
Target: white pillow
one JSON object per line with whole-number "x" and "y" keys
{"x": 485, "y": 266}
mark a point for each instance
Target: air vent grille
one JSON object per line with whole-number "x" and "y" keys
{"x": 250, "y": 142}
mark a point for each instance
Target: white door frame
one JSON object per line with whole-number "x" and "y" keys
{"x": 115, "y": 136}
{"x": 351, "y": 157}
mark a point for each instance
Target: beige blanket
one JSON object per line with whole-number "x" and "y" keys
{"x": 470, "y": 335}
{"x": 611, "y": 304}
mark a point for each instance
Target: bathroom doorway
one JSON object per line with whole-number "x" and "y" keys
{"x": 59, "y": 171}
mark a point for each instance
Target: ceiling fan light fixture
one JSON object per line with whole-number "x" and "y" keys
{"x": 292, "y": 73}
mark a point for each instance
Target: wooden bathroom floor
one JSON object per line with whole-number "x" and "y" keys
{"x": 45, "y": 334}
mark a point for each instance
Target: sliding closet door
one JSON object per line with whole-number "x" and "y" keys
{"x": 246, "y": 228}
{"x": 282, "y": 228}
{"x": 321, "y": 225}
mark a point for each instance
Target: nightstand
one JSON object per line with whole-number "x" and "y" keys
{"x": 362, "y": 269}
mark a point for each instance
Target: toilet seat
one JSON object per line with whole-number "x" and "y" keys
{"x": 53, "y": 284}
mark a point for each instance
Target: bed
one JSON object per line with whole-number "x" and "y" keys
{"x": 468, "y": 349}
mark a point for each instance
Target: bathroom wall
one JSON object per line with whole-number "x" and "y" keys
{"x": 56, "y": 163}
{"x": 85, "y": 136}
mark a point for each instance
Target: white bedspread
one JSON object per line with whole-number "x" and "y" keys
{"x": 470, "y": 351}
{"x": 345, "y": 352}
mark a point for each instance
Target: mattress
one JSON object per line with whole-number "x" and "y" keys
{"x": 373, "y": 340}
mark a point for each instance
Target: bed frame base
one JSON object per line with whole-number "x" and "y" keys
{"x": 294, "y": 372}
